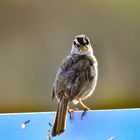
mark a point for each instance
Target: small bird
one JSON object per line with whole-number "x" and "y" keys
{"x": 75, "y": 80}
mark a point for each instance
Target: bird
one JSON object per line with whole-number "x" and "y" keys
{"x": 75, "y": 80}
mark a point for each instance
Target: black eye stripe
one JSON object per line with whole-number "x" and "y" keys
{"x": 87, "y": 42}
{"x": 74, "y": 43}
{"x": 77, "y": 45}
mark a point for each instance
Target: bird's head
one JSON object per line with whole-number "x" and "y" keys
{"x": 81, "y": 45}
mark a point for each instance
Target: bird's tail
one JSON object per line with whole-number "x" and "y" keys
{"x": 60, "y": 118}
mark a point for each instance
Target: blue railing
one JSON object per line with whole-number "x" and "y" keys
{"x": 96, "y": 125}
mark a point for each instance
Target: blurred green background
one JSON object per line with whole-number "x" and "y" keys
{"x": 35, "y": 35}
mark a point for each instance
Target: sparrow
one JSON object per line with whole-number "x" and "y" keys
{"x": 75, "y": 80}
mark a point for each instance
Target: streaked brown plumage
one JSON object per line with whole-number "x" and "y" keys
{"x": 75, "y": 80}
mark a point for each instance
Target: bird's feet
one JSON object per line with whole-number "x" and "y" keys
{"x": 84, "y": 113}
{"x": 85, "y": 109}
{"x": 70, "y": 111}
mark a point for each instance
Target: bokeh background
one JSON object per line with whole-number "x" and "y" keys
{"x": 35, "y": 35}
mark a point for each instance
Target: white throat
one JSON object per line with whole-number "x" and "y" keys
{"x": 74, "y": 50}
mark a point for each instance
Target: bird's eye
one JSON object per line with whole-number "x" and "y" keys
{"x": 74, "y": 43}
{"x": 87, "y": 42}
{"x": 77, "y": 45}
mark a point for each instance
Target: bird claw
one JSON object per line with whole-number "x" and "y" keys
{"x": 84, "y": 113}
{"x": 70, "y": 111}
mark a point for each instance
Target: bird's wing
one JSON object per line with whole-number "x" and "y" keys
{"x": 73, "y": 75}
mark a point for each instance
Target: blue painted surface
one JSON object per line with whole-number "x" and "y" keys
{"x": 96, "y": 125}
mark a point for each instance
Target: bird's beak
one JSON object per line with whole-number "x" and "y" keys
{"x": 84, "y": 48}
